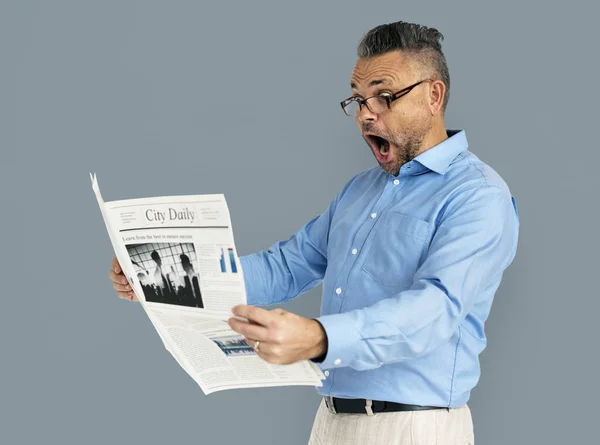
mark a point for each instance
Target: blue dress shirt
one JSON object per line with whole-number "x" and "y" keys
{"x": 409, "y": 266}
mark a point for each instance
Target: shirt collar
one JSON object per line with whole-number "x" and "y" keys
{"x": 439, "y": 157}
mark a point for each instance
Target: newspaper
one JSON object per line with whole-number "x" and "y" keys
{"x": 179, "y": 257}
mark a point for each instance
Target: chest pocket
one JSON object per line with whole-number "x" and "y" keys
{"x": 397, "y": 248}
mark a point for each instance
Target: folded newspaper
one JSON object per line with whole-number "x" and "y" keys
{"x": 179, "y": 257}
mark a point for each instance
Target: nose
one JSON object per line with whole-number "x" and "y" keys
{"x": 365, "y": 114}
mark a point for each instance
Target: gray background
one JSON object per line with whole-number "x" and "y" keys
{"x": 167, "y": 98}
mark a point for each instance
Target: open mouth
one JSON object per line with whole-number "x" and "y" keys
{"x": 380, "y": 146}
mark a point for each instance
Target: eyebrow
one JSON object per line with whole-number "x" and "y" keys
{"x": 373, "y": 83}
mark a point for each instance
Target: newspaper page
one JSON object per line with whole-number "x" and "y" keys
{"x": 178, "y": 254}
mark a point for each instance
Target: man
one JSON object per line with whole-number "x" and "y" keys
{"x": 163, "y": 285}
{"x": 410, "y": 255}
{"x": 192, "y": 287}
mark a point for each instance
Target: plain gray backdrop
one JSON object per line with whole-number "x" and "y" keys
{"x": 242, "y": 98}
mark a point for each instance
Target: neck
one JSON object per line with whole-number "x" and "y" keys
{"x": 435, "y": 136}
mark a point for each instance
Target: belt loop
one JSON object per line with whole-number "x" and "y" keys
{"x": 369, "y": 407}
{"x": 330, "y": 404}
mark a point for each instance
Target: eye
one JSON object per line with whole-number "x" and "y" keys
{"x": 385, "y": 93}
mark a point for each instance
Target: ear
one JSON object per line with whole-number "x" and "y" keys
{"x": 437, "y": 92}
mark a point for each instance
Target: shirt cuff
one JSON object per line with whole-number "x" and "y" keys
{"x": 343, "y": 340}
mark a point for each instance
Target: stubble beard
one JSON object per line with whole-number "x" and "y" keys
{"x": 404, "y": 151}
{"x": 406, "y": 146}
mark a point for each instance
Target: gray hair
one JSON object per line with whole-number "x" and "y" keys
{"x": 419, "y": 42}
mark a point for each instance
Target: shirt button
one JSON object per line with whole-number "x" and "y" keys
{"x": 326, "y": 373}
{"x": 396, "y": 182}
{"x": 337, "y": 361}
{"x": 354, "y": 251}
{"x": 338, "y": 290}
{"x": 373, "y": 215}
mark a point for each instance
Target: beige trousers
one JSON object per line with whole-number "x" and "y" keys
{"x": 432, "y": 427}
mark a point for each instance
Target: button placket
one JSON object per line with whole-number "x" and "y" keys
{"x": 387, "y": 196}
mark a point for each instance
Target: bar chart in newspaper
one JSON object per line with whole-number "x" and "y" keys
{"x": 227, "y": 260}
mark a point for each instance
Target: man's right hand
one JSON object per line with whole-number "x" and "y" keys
{"x": 120, "y": 283}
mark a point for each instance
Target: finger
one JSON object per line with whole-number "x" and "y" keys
{"x": 253, "y": 313}
{"x": 261, "y": 353}
{"x": 121, "y": 287}
{"x": 127, "y": 296}
{"x": 248, "y": 330}
{"x": 116, "y": 266}
{"x": 124, "y": 295}
{"x": 117, "y": 278}
{"x": 267, "y": 351}
{"x": 264, "y": 352}
{"x": 251, "y": 342}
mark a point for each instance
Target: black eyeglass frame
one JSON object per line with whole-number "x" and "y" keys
{"x": 389, "y": 98}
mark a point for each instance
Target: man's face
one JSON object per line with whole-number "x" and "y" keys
{"x": 394, "y": 135}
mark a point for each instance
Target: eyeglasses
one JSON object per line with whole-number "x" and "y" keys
{"x": 375, "y": 104}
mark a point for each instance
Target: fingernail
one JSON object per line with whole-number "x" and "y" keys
{"x": 128, "y": 287}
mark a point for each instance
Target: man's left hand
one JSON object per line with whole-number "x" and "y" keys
{"x": 284, "y": 337}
